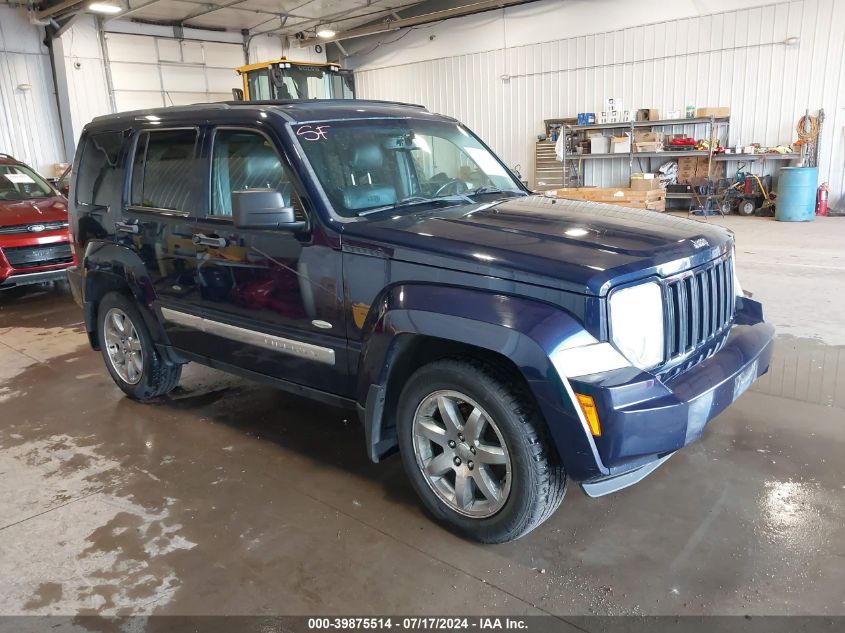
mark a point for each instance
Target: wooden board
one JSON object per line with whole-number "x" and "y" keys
{"x": 654, "y": 199}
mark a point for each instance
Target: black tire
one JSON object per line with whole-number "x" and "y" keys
{"x": 537, "y": 481}
{"x": 746, "y": 207}
{"x": 157, "y": 376}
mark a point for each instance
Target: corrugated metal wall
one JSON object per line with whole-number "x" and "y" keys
{"x": 29, "y": 119}
{"x": 734, "y": 59}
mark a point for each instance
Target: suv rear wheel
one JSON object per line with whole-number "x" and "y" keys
{"x": 131, "y": 357}
{"x": 473, "y": 445}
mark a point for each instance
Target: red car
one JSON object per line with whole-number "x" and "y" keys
{"x": 34, "y": 239}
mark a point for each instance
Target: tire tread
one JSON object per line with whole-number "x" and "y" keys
{"x": 161, "y": 377}
{"x": 548, "y": 476}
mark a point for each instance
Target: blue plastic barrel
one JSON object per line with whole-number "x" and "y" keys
{"x": 796, "y": 199}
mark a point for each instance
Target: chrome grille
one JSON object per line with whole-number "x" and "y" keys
{"x": 700, "y": 307}
{"x": 32, "y": 227}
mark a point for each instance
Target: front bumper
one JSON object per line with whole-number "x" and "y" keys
{"x": 644, "y": 420}
{"x": 38, "y": 277}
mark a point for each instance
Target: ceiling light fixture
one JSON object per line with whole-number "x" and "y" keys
{"x": 325, "y": 33}
{"x": 104, "y": 7}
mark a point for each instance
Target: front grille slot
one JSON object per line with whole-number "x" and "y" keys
{"x": 16, "y": 229}
{"x": 31, "y": 256}
{"x": 700, "y": 306}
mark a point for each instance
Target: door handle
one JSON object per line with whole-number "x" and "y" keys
{"x": 204, "y": 240}
{"x": 123, "y": 227}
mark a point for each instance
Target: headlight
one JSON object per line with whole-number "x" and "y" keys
{"x": 636, "y": 323}
{"x": 737, "y": 287}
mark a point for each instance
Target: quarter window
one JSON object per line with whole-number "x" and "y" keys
{"x": 246, "y": 160}
{"x": 164, "y": 171}
{"x": 100, "y": 178}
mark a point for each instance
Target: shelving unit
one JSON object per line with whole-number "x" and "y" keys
{"x": 638, "y": 124}
{"x": 631, "y": 126}
{"x": 757, "y": 157}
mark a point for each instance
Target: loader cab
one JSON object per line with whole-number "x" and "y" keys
{"x": 283, "y": 79}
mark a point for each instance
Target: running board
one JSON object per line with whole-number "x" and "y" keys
{"x": 606, "y": 485}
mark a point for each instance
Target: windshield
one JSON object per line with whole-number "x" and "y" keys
{"x": 372, "y": 165}
{"x": 21, "y": 183}
{"x": 304, "y": 82}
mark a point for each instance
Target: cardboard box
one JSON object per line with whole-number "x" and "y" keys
{"x": 613, "y": 104}
{"x": 647, "y": 137}
{"x": 599, "y": 144}
{"x": 644, "y": 182}
{"x": 647, "y": 114}
{"x": 648, "y": 147}
{"x": 712, "y": 111}
{"x": 620, "y": 144}
{"x": 694, "y": 169}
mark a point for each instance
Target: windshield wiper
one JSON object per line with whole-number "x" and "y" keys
{"x": 415, "y": 200}
{"x": 483, "y": 190}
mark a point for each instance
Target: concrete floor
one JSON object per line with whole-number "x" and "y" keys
{"x": 233, "y": 498}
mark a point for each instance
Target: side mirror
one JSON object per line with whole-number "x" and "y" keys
{"x": 263, "y": 209}
{"x": 238, "y": 94}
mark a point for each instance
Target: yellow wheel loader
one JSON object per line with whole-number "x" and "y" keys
{"x": 287, "y": 79}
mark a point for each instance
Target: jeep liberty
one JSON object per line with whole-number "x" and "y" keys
{"x": 378, "y": 256}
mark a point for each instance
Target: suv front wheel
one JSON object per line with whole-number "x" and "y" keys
{"x": 474, "y": 447}
{"x": 131, "y": 357}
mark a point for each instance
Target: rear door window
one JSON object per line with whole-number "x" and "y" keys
{"x": 165, "y": 173}
{"x": 100, "y": 178}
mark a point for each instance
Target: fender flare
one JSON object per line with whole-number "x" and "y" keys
{"x": 523, "y": 330}
{"x": 109, "y": 266}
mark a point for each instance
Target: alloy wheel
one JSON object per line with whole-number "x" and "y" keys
{"x": 462, "y": 454}
{"x": 123, "y": 346}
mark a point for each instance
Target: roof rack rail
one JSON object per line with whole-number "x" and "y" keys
{"x": 312, "y": 101}
{"x": 9, "y": 156}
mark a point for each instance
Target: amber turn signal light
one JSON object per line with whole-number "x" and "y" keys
{"x": 588, "y": 406}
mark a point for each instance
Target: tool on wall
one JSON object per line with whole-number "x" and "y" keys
{"x": 809, "y": 130}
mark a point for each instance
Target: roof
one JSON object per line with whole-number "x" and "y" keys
{"x": 6, "y": 159}
{"x": 284, "y": 60}
{"x": 292, "y": 110}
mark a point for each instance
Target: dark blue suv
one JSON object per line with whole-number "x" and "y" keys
{"x": 379, "y": 256}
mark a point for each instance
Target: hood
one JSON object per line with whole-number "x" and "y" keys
{"x": 35, "y": 211}
{"x": 578, "y": 246}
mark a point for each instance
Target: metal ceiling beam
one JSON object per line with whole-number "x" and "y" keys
{"x": 336, "y": 17}
{"x": 69, "y": 22}
{"x": 427, "y": 18}
{"x": 57, "y": 8}
{"x": 132, "y": 10}
{"x": 210, "y": 8}
{"x": 144, "y": 5}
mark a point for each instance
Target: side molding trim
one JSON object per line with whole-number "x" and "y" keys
{"x": 251, "y": 337}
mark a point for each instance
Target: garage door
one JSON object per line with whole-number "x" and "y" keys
{"x": 150, "y": 72}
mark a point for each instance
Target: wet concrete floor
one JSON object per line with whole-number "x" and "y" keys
{"x": 232, "y": 498}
